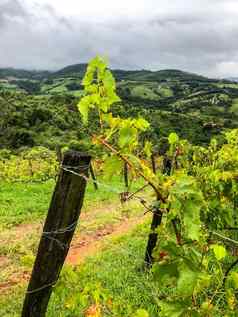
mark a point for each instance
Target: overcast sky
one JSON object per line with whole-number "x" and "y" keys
{"x": 195, "y": 35}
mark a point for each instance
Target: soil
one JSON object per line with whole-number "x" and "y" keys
{"x": 82, "y": 246}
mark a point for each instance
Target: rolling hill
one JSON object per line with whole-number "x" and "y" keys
{"x": 38, "y": 107}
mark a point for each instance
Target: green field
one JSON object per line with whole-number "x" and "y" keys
{"x": 28, "y": 202}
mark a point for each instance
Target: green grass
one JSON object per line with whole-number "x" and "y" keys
{"x": 226, "y": 85}
{"x": 114, "y": 279}
{"x": 165, "y": 91}
{"x": 144, "y": 92}
{"x": 59, "y": 89}
{"x": 23, "y": 202}
{"x": 118, "y": 277}
{"x": 101, "y": 212}
{"x": 77, "y": 93}
{"x": 8, "y": 86}
{"x": 29, "y": 202}
{"x": 234, "y": 107}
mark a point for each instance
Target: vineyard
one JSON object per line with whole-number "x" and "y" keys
{"x": 158, "y": 232}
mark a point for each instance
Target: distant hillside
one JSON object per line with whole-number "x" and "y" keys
{"x": 39, "y": 108}
{"x": 21, "y": 73}
{"x": 77, "y": 70}
{"x": 161, "y": 75}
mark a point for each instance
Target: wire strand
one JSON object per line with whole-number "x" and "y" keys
{"x": 41, "y": 288}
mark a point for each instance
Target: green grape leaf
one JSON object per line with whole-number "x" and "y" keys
{"x": 204, "y": 280}
{"x": 109, "y": 81}
{"x": 172, "y": 248}
{"x": 147, "y": 149}
{"x": 187, "y": 280}
{"x": 192, "y": 220}
{"x": 127, "y": 135}
{"x": 141, "y": 124}
{"x": 173, "y": 138}
{"x": 104, "y": 105}
{"x": 141, "y": 313}
{"x": 234, "y": 278}
{"x": 172, "y": 309}
{"x": 83, "y": 107}
{"x": 165, "y": 271}
{"x": 112, "y": 165}
{"x": 231, "y": 299}
{"x": 219, "y": 251}
{"x": 175, "y": 207}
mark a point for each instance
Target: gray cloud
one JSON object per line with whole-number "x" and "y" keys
{"x": 197, "y": 37}
{"x": 10, "y": 10}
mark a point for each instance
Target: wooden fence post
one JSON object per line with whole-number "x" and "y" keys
{"x": 57, "y": 233}
{"x": 156, "y": 221}
{"x": 153, "y": 237}
{"x": 125, "y": 172}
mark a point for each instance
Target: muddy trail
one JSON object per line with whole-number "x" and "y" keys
{"x": 84, "y": 244}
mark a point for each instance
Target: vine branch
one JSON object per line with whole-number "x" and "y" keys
{"x": 125, "y": 159}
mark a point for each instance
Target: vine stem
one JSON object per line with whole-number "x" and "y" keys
{"x": 137, "y": 191}
{"x": 177, "y": 232}
{"x": 111, "y": 148}
{"x": 157, "y": 218}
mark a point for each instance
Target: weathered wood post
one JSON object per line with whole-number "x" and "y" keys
{"x": 157, "y": 218}
{"x": 57, "y": 233}
{"x": 157, "y": 213}
{"x": 153, "y": 237}
{"x": 125, "y": 172}
{"x": 95, "y": 184}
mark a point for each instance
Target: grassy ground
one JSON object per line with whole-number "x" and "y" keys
{"x": 109, "y": 283}
{"x": 112, "y": 282}
{"x": 22, "y": 212}
{"x": 27, "y": 203}
{"x": 23, "y": 202}
{"x": 144, "y": 92}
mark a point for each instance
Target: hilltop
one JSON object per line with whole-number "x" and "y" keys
{"x": 78, "y": 71}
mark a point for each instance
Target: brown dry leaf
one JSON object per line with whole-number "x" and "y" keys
{"x": 93, "y": 311}
{"x": 110, "y": 302}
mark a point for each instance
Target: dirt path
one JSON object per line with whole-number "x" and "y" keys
{"x": 22, "y": 231}
{"x": 82, "y": 246}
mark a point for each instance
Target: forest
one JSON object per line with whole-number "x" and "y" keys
{"x": 44, "y": 113}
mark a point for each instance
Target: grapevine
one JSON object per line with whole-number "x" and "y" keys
{"x": 195, "y": 203}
